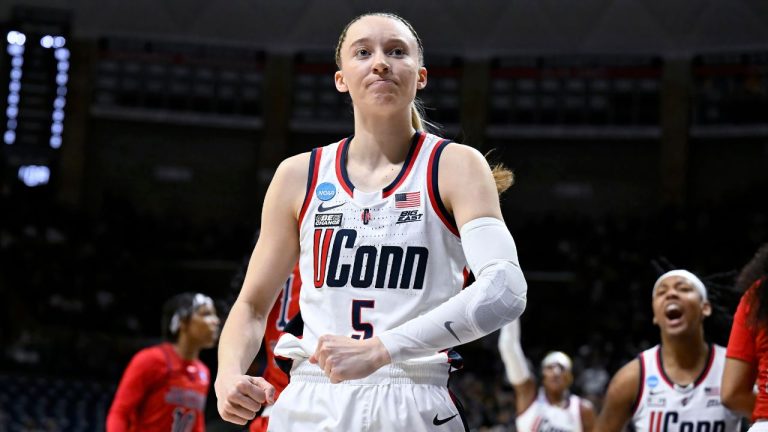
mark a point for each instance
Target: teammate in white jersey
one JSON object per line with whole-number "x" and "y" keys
{"x": 551, "y": 408}
{"x": 674, "y": 386}
{"x": 384, "y": 225}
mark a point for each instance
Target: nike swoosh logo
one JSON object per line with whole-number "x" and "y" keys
{"x": 437, "y": 422}
{"x": 450, "y": 330}
{"x": 322, "y": 209}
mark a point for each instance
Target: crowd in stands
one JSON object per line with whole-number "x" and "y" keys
{"x": 81, "y": 293}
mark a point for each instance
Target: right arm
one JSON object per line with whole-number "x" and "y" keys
{"x": 142, "y": 373}
{"x": 620, "y": 399}
{"x": 516, "y": 366}
{"x": 277, "y": 250}
{"x": 740, "y": 371}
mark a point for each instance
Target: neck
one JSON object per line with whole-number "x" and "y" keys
{"x": 685, "y": 351}
{"x": 185, "y": 349}
{"x": 381, "y": 138}
{"x": 556, "y": 398}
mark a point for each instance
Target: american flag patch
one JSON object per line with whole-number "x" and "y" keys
{"x": 407, "y": 200}
{"x": 712, "y": 391}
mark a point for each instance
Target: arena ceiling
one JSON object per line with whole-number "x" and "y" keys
{"x": 469, "y": 28}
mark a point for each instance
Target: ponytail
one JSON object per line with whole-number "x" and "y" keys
{"x": 503, "y": 177}
{"x": 417, "y": 115}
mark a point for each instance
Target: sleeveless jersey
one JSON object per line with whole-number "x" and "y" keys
{"x": 663, "y": 406}
{"x": 371, "y": 261}
{"x": 542, "y": 416}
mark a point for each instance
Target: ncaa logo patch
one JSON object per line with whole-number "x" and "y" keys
{"x": 325, "y": 191}
{"x": 652, "y": 381}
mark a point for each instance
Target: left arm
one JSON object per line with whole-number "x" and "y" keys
{"x": 497, "y": 297}
{"x": 587, "y": 415}
{"x": 142, "y": 373}
{"x": 738, "y": 382}
{"x": 741, "y": 363}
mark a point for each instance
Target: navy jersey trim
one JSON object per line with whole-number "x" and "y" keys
{"x": 314, "y": 162}
{"x": 699, "y": 379}
{"x": 434, "y": 190}
{"x": 341, "y": 166}
{"x": 413, "y": 152}
{"x": 705, "y": 372}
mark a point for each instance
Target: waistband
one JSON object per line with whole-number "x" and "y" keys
{"x": 394, "y": 373}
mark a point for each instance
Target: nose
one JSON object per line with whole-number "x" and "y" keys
{"x": 380, "y": 65}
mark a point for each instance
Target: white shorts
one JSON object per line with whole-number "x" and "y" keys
{"x": 396, "y": 398}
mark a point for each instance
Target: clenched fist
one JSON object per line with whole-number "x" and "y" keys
{"x": 343, "y": 358}
{"x": 240, "y": 397}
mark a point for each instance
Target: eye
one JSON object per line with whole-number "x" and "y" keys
{"x": 362, "y": 52}
{"x": 397, "y": 52}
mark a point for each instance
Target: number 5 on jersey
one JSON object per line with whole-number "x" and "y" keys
{"x": 357, "y": 319}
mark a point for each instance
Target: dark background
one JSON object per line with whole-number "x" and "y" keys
{"x": 637, "y": 130}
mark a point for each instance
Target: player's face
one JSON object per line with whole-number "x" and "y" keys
{"x": 203, "y": 326}
{"x": 678, "y": 307}
{"x": 555, "y": 378}
{"x": 380, "y": 65}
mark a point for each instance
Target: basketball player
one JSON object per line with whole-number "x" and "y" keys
{"x": 746, "y": 368}
{"x": 674, "y": 386}
{"x": 374, "y": 221}
{"x": 552, "y": 407}
{"x": 286, "y": 307}
{"x": 165, "y": 386}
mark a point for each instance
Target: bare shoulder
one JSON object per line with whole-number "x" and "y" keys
{"x": 623, "y": 389}
{"x": 294, "y": 167}
{"x": 626, "y": 382}
{"x": 466, "y": 184}
{"x": 620, "y": 398}
{"x": 464, "y": 158}
{"x": 290, "y": 180}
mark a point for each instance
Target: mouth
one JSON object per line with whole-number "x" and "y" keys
{"x": 381, "y": 82}
{"x": 674, "y": 314}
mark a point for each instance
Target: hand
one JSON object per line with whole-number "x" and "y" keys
{"x": 343, "y": 358}
{"x": 240, "y": 397}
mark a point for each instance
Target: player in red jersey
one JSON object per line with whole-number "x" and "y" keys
{"x": 164, "y": 387}
{"x": 745, "y": 379}
{"x": 285, "y": 308}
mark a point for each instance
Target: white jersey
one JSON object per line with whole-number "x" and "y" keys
{"x": 663, "y": 406}
{"x": 371, "y": 261}
{"x": 542, "y": 416}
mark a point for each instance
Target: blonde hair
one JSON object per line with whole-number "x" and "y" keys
{"x": 502, "y": 176}
{"x": 417, "y": 111}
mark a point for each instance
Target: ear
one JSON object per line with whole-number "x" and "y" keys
{"x": 706, "y": 309}
{"x": 341, "y": 86}
{"x": 422, "y": 80}
{"x": 183, "y": 325}
{"x": 655, "y": 321}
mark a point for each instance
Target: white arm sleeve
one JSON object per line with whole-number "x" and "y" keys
{"x": 497, "y": 297}
{"x": 512, "y": 353}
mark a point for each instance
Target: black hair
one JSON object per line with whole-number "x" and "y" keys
{"x": 181, "y": 306}
{"x": 754, "y": 273}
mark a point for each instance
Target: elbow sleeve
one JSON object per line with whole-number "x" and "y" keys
{"x": 492, "y": 255}
{"x": 497, "y": 297}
